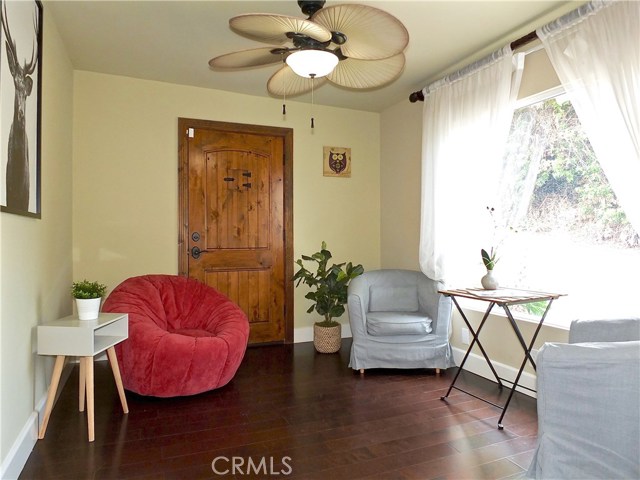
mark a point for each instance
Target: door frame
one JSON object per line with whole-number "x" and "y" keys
{"x": 183, "y": 201}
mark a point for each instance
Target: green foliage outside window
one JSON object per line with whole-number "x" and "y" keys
{"x": 571, "y": 190}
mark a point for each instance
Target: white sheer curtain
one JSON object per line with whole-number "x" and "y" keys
{"x": 595, "y": 51}
{"x": 466, "y": 120}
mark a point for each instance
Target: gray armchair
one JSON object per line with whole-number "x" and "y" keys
{"x": 589, "y": 403}
{"x": 399, "y": 320}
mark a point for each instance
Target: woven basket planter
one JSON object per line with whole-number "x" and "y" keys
{"x": 327, "y": 339}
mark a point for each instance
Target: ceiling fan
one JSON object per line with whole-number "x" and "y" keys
{"x": 350, "y": 45}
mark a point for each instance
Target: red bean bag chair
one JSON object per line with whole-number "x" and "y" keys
{"x": 184, "y": 336}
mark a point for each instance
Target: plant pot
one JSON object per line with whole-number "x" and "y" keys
{"x": 327, "y": 339}
{"x": 88, "y": 308}
{"x": 489, "y": 281}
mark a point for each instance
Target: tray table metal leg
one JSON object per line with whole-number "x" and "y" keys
{"x": 527, "y": 354}
{"x": 475, "y": 340}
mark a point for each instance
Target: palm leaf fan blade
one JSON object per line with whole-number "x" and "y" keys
{"x": 273, "y": 28}
{"x": 371, "y": 33}
{"x": 253, "y": 57}
{"x": 354, "y": 73}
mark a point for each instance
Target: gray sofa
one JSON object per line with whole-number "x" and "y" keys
{"x": 399, "y": 320}
{"x": 589, "y": 403}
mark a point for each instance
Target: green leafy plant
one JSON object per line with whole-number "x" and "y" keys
{"x": 328, "y": 284}
{"x": 536, "y": 308}
{"x": 489, "y": 259}
{"x": 86, "y": 289}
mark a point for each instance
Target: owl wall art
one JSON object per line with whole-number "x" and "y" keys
{"x": 337, "y": 162}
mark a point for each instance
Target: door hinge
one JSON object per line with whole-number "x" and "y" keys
{"x": 190, "y": 132}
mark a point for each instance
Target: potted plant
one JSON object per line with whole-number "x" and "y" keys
{"x": 88, "y": 296}
{"x": 328, "y": 294}
{"x": 489, "y": 282}
{"x": 490, "y": 258}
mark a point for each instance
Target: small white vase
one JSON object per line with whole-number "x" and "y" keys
{"x": 489, "y": 281}
{"x": 88, "y": 308}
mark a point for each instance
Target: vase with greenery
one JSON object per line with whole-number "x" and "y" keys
{"x": 88, "y": 296}
{"x": 328, "y": 292}
{"x": 490, "y": 258}
{"x": 489, "y": 281}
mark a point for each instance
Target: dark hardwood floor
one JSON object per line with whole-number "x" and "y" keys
{"x": 292, "y": 413}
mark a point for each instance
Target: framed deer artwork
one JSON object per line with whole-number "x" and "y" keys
{"x": 20, "y": 97}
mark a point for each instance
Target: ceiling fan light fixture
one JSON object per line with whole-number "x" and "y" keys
{"x": 312, "y": 63}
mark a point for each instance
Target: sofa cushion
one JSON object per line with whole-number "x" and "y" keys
{"x": 393, "y": 299}
{"x": 381, "y": 324}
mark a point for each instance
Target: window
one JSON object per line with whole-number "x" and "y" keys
{"x": 570, "y": 233}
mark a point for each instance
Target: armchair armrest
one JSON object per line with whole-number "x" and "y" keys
{"x": 615, "y": 330}
{"x": 358, "y": 305}
{"x": 443, "y": 323}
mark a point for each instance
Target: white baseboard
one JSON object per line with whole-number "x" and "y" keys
{"x": 19, "y": 452}
{"x": 21, "y": 449}
{"x": 477, "y": 364}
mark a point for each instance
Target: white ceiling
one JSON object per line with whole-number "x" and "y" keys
{"x": 172, "y": 41}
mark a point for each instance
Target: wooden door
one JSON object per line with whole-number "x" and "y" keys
{"x": 236, "y": 229}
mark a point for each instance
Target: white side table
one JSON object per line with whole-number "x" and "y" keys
{"x": 69, "y": 336}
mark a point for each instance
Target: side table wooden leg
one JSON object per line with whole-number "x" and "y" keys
{"x": 113, "y": 360}
{"x": 82, "y": 389}
{"x": 90, "y": 412}
{"x": 51, "y": 395}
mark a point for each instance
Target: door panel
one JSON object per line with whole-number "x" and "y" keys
{"x": 235, "y": 216}
{"x": 247, "y": 288}
{"x": 238, "y": 195}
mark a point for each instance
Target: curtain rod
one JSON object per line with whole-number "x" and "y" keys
{"x": 528, "y": 38}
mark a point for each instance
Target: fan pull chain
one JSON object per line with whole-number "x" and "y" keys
{"x": 284, "y": 89}
{"x": 313, "y": 77}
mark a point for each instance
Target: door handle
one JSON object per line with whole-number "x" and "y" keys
{"x": 195, "y": 253}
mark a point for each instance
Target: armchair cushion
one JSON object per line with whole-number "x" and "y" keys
{"x": 397, "y": 323}
{"x": 393, "y": 298}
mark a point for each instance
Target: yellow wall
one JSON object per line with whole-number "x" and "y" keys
{"x": 125, "y": 214}
{"x": 36, "y": 254}
{"x": 400, "y": 137}
{"x": 538, "y": 75}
